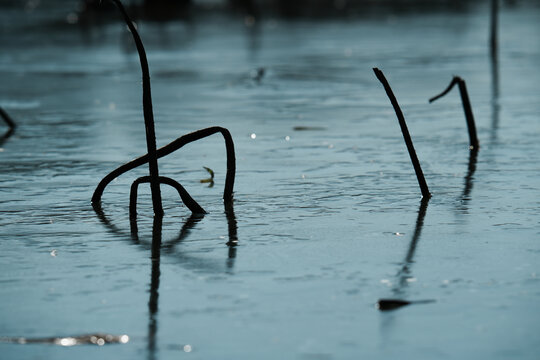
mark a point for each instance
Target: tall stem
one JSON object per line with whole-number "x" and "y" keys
{"x": 148, "y": 115}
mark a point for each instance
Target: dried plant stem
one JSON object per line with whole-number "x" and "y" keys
{"x": 406, "y": 136}
{"x": 9, "y": 121}
{"x": 171, "y": 147}
{"x": 148, "y": 114}
{"x": 467, "y": 109}
{"x": 184, "y": 195}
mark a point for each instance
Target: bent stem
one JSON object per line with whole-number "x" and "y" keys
{"x": 148, "y": 114}
{"x": 406, "y": 136}
{"x": 467, "y": 109}
{"x": 171, "y": 147}
{"x": 9, "y": 121}
{"x": 184, "y": 195}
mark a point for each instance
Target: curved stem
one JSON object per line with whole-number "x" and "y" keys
{"x": 405, "y": 132}
{"x": 447, "y": 90}
{"x": 467, "y": 109}
{"x": 171, "y": 147}
{"x": 148, "y": 113}
{"x": 184, "y": 195}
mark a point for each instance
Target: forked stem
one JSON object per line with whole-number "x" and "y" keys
{"x": 148, "y": 114}
{"x": 467, "y": 109}
{"x": 406, "y": 136}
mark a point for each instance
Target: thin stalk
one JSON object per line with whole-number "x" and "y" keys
{"x": 405, "y": 131}
{"x": 148, "y": 114}
{"x": 9, "y": 121}
{"x": 467, "y": 109}
{"x": 171, "y": 147}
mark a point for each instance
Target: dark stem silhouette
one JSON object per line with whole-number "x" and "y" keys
{"x": 184, "y": 195}
{"x": 171, "y": 147}
{"x": 469, "y": 117}
{"x": 406, "y": 136}
{"x": 148, "y": 114}
{"x": 9, "y": 121}
{"x": 153, "y": 154}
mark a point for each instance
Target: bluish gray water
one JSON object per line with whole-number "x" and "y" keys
{"x": 325, "y": 217}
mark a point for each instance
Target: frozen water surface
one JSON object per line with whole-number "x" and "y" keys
{"x": 327, "y": 210}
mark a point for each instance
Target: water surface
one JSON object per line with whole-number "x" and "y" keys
{"x": 326, "y": 210}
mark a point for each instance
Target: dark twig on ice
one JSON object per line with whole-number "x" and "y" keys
{"x": 473, "y": 139}
{"x": 153, "y": 154}
{"x": 392, "y": 304}
{"x": 406, "y": 135}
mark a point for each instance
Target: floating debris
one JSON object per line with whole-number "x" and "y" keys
{"x": 90, "y": 339}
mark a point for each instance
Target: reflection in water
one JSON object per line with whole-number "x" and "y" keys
{"x": 495, "y": 107}
{"x": 404, "y": 274}
{"x": 473, "y": 155}
{"x": 494, "y": 56}
{"x": 233, "y": 234}
{"x": 99, "y": 339}
{"x": 154, "y": 285}
{"x": 169, "y": 248}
